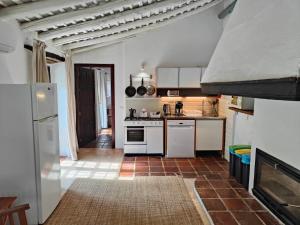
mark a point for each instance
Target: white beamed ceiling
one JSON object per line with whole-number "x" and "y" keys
{"x": 76, "y": 24}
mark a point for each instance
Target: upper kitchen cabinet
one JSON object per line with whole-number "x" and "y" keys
{"x": 190, "y": 77}
{"x": 167, "y": 77}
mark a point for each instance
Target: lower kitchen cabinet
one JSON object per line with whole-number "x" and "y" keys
{"x": 155, "y": 140}
{"x": 209, "y": 135}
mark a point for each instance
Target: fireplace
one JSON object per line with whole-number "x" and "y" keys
{"x": 277, "y": 185}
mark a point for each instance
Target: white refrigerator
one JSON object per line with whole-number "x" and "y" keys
{"x": 29, "y": 147}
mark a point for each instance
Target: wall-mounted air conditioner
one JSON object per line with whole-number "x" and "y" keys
{"x": 8, "y": 37}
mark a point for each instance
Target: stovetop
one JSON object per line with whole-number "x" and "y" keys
{"x": 142, "y": 119}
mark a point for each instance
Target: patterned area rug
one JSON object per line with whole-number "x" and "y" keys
{"x": 142, "y": 201}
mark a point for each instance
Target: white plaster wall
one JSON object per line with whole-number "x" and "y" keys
{"x": 16, "y": 67}
{"x": 239, "y": 126}
{"x": 277, "y": 131}
{"x": 260, "y": 41}
{"x": 189, "y": 42}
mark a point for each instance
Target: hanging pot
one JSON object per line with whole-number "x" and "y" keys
{"x": 130, "y": 90}
{"x": 141, "y": 89}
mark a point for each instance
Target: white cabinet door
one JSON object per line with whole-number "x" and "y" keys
{"x": 167, "y": 77}
{"x": 190, "y": 77}
{"x": 209, "y": 135}
{"x": 155, "y": 140}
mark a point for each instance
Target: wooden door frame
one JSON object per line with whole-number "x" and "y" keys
{"x": 77, "y": 66}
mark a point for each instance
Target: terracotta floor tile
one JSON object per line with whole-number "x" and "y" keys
{"x": 207, "y": 193}
{"x": 201, "y": 168}
{"x": 267, "y": 218}
{"x": 202, "y": 184}
{"x": 225, "y": 175}
{"x": 158, "y": 174}
{"x": 235, "y": 204}
{"x": 215, "y": 168}
{"x": 222, "y": 218}
{"x": 186, "y": 169}
{"x": 183, "y": 163}
{"x": 201, "y": 177}
{"x": 126, "y": 174}
{"x": 155, "y": 163}
{"x": 254, "y": 204}
{"x": 226, "y": 193}
{"x": 128, "y": 158}
{"x": 156, "y": 169}
{"x": 235, "y": 184}
{"x": 247, "y": 218}
{"x": 170, "y": 174}
{"x": 141, "y": 164}
{"x": 142, "y": 158}
{"x": 141, "y": 174}
{"x": 243, "y": 193}
{"x": 142, "y": 169}
{"x": 203, "y": 172}
{"x": 212, "y": 204}
{"x": 155, "y": 158}
{"x": 189, "y": 175}
{"x": 127, "y": 170}
{"x": 220, "y": 184}
{"x": 213, "y": 177}
{"x": 169, "y": 163}
{"x": 173, "y": 169}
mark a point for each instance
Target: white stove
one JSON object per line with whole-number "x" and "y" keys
{"x": 140, "y": 121}
{"x": 143, "y": 135}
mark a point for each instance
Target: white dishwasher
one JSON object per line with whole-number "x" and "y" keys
{"x": 180, "y": 138}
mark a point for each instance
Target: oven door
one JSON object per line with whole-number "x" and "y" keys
{"x": 135, "y": 135}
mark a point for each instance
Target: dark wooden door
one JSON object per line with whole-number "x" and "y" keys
{"x": 85, "y": 105}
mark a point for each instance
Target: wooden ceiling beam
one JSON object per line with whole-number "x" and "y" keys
{"x": 186, "y": 12}
{"x": 36, "y": 8}
{"x": 111, "y": 19}
{"x": 77, "y": 15}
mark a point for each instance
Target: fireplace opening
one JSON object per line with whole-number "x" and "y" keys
{"x": 277, "y": 185}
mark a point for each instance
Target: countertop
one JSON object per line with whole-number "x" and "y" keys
{"x": 187, "y": 117}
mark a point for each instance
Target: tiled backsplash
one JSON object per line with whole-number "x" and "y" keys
{"x": 156, "y": 104}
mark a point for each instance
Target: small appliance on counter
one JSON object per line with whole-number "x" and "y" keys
{"x": 179, "y": 108}
{"x": 131, "y": 113}
{"x": 143, "y": 113}
{"x": 244, "y": 103}
{"x": 173, "y": 93}
{"x": 155, "y": 114}
{"x": 167, "y": 109}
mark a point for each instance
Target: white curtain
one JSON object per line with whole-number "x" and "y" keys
{"x": 101, "y": 101}
{"x": 71, "y": 106}
{"x": 39, "y": 63}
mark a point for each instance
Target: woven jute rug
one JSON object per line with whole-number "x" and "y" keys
{"x": 142, "y": 201}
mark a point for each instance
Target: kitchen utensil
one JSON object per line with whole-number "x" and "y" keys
{"x": 155, "y": 114}
{"x": 141, "y": 89}
{"x": 167, "y": 109}
{"x": 131, "y": 113}
{"x": 130, "y": 90}
{"x": 150, "y": 90}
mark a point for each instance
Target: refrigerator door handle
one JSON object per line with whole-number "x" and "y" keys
{"x": 47, "y": 118}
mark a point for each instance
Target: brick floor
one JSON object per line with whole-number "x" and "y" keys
{"x": 226, "y": 201}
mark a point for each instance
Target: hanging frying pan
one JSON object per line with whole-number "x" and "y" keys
{"x": 150, "y": 90}
{"x": 141, "y": 89}
{"x": 130, "y": 90}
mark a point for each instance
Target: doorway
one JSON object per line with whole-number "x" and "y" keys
{"x": 95, "y": 105}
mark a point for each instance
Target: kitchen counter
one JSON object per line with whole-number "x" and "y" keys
{"x": 185, "y": 117}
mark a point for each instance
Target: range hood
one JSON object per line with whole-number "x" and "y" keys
{"x": 258, "y": 54}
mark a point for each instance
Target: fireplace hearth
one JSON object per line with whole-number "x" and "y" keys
{"x": 277, "y": 185}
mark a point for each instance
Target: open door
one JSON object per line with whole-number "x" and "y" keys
{"x": 85, "y": 105}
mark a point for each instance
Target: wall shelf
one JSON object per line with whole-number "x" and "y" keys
{"x": 248, "y": 112}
